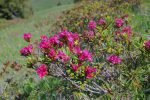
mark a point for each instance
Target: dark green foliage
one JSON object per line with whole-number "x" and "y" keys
{"x": 59, "y": 3}
{"x": 10, "y": 9}
{"x": 75, "y": 1}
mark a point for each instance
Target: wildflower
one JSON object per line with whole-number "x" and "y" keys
{"x": 41, "y": 70}
{"x": 147, "y": 44}
{"x": 61, "y": 55}
{"x": 25, "y": 51}
{"x": 53, "y": 40}
{"x": 27, "y": 36}
{"x": 88, "y": 34}
{"x": 114, "y": 59}
{"x": 77, "y": 50}
{"x": 71, "y": 45}
{"x": 92, "y": 25}
{"x": 102, "y": 21}
{"x": 52, "y": 53}
{"x": 89, "y": 71}
{"x": 119, "y": 22}
{"x": 44, "y": 45}
{"x": 75, "y": 66}
{"x": 75, "y": 36}
{"x": 85, "y": 55}
{"x": 127, "y": 30}
{"x": 61, "y": 44}
{"x": 65, "y": 36}
{"x": 44, "y": 37}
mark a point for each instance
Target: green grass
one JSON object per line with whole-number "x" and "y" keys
{"x": 141, "y": 19}
{"x": 46, "y": 4}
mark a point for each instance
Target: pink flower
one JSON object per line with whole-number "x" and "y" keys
{"x": 147, "y": 44}
{"x": 85, "y": 55}
{"x": 89, "y": 71}
{"x": 54, "y": 40}
{"x": 102, "y": 21}
{"x": 71, "y": 45}
{"x": 61, "y": 55}
{"x": 119, "y": 22}
{"x": 66, "y": 36}
{"x": 44, "y": 44}
{"x": 92, "y": 25}
{"x": 61, "y": 44}
{"x": 41, "y": 70}
{"x": 52, "y": 53}
{"x": 77, "y": 50}
{"x": 114, "y": 59}
{"x": 44, "y": 37}
{"x": 26, "y": 51}
{"x": 88, "y": 34}
{"x": 75, "y": 36}
{"x": 75, "y": 66}
{"x": 27, "y": 36}
{"x": 127, "y": 30}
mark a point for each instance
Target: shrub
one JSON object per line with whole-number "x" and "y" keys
{"x": 113, "y": 61}
{"x": 10, "y": 9}
{"x": 92, "y": 9}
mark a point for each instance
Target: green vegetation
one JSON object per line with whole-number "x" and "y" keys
{"x": 48, "y": 12}
{"x": 10, "y": 9}
{"x": 141, "y": 18}
{"x": 39, "y": 5}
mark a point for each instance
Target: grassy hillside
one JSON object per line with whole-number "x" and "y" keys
{"x": 11, "y": 37}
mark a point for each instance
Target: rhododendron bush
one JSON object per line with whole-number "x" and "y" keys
{"x": 106, "y": 59}
{"x": 93, "y": 52}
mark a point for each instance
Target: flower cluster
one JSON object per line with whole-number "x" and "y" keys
{"x": 147, "y": 44}
{"x": 41, "y": 70}
{"x": 85, "y": 55}
{"x": 92, "y": 25}
{"x": 114, "y": 59}
{"x": 54, "y": 47}
{"x": 88, "y": 34}
{"x": 27, "y": 36}
{"x": 27, "y": 50}
{"x": 127, "y": 30}
{"x": 102, "y": 21}
{"x": 119, "y": 22}
{"x": 89, "y": 71}
{"x": 75, "y": 66}
{"x": 62, "y": 56}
